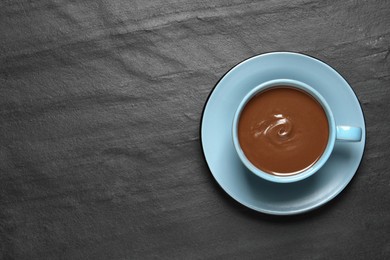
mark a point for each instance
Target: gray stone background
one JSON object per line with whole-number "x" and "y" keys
{"x": 100, "y": 104}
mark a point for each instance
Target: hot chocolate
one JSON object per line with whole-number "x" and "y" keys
{"x": 283, "y": 130}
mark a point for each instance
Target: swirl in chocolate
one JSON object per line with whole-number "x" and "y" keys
{"x": 278, "y": 129}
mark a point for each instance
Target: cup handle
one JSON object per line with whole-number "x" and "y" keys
{"x": 348, "y": 133}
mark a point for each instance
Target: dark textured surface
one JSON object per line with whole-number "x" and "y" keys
{"x": 100, "y": 104}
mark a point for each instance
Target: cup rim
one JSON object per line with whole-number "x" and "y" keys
{"x": 326, "y": 153}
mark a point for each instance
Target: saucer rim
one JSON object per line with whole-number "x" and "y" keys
{"x": 290, "y": 212}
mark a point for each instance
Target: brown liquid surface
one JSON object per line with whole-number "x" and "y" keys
{"x": 283, "y": 131}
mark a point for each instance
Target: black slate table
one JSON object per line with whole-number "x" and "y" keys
{"x": 100, "y": 105}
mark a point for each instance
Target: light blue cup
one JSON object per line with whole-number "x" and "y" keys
{"x": 336, "y": 133}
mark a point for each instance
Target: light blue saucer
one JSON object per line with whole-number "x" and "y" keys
{"x": 224, "y": 163}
